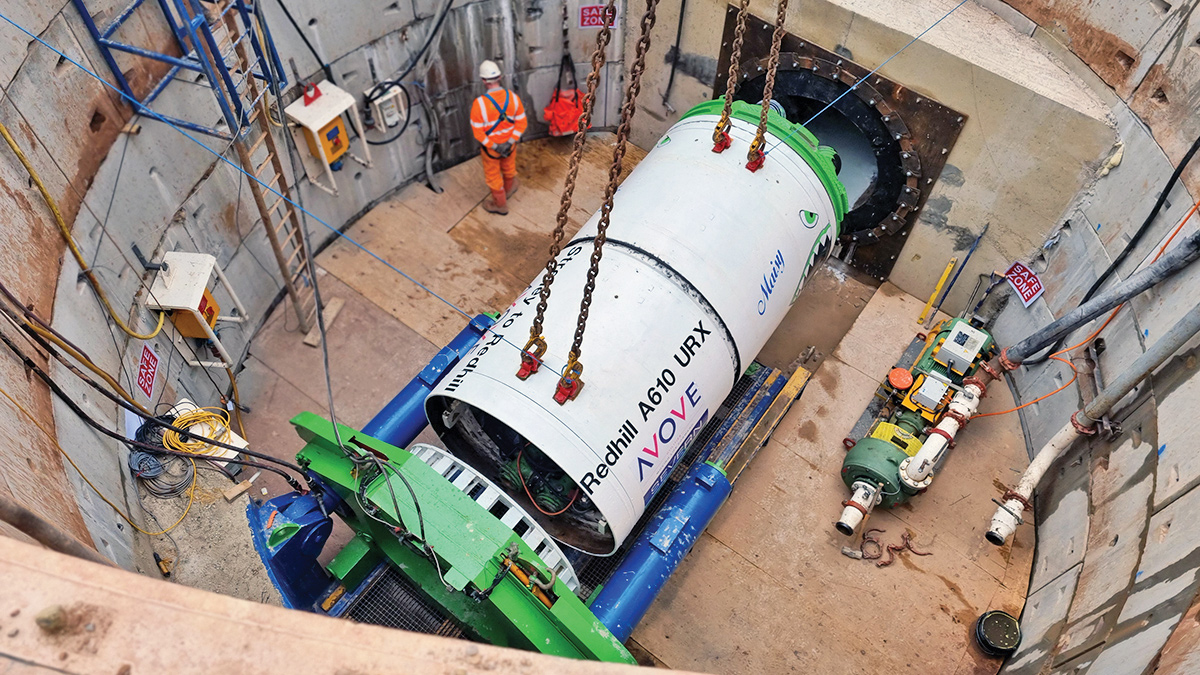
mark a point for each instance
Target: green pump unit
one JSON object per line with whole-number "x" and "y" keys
{"x": 924, "y": 406}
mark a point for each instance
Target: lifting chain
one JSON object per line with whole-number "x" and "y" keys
{"x": 570, "y": 384}
{"x": 535, "y": 349}
{"x": 756, "y": 156}
{"x": 721, "y": 139}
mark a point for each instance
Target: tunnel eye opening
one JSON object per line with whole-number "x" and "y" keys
{"x": 870, "y": 158}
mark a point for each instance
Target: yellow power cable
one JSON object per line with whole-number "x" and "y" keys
{"x": 217, "y": 420}
{"x": 66, "y": 232}
{"x": 237, "y": 403}
{"x": 87, "y": 363}
{"x": 191, "y": 490}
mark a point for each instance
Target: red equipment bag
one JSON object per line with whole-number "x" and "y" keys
{"x": 566, "y": 106}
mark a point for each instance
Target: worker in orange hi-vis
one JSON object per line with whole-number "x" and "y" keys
{"x": 498, "y": 120}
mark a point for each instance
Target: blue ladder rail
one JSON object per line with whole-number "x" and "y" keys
{"x": 192, "y": 30}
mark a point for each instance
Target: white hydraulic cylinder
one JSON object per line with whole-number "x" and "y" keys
{"x": 703, "y": 259}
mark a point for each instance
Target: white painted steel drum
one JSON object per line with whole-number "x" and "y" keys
{"x": 702, "y": 262}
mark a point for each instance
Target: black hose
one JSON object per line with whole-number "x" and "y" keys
{"x": 675, "y": 61}
{"x": 46, "y": 533}
{"x": 1133, "y": 242}
{"x": 380, "y": 89}
{"x": 82, "y": 414}
{"x": 108, "y": 394}
{"x": 157, "y": 421}
{"x": 407, "y": 117}
{"x": 324, "y": 66}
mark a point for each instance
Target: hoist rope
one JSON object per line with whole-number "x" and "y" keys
{"x": 536, "y": 342}
{"x": 574, "y": 367}
{"x": 721, "y": 132}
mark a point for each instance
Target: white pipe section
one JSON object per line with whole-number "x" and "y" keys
{"x": 1008, "y": 516}
{"x": 917, "y": 471}
{"x": 866, "y": 496}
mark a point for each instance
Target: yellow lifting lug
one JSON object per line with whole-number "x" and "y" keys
{"x": 569, "y": 385}
{"x": 532, "y": 360}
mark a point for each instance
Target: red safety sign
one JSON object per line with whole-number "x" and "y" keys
{"x": 1025, "y": 282}
{"x": 591, "y": 16}
{"x": 147, "y": 369}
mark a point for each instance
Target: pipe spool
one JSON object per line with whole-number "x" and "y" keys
{"x": 684, "y": 302}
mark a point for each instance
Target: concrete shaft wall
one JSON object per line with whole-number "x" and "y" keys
{"x": 1118, "y": 560}
{"x": 164, "y": 192}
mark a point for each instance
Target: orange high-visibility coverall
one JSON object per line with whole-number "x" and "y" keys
{"x": 497, "y": 117}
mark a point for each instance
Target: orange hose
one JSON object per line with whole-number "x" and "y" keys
{"x": 533, "y": 501}
{"x": 533, "y": 588}
{"x": 1104, "y": 325}
{"x": 1040, "y": 398}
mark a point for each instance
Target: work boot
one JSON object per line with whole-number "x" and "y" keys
{"x": 496, "y": 203}
{"x": 510, "y": 186}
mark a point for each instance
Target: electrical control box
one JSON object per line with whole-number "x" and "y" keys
{"x": 318, "y": 122}
{"x": 330, "y": 139}
{"x": 930, "y": 391}
{"x": 189, "y": 326}
{"x": 181, "y": 289}
{"x": 961, "y": 347}
{"x": 390, "y": 108}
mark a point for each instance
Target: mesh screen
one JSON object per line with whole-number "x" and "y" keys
{"x": 392, "y": 600}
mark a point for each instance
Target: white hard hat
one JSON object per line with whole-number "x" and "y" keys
{"x": 488, "y": 70}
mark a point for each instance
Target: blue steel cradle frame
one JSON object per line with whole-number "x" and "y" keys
{"x": 193, "y": 32}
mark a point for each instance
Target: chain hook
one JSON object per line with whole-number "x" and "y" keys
{"x": 564, "y": 207}
{"x": 721, "y": 138}
{"x": 569, "y": 385}
{"x": 532, "y": 360}
{"x": 756, "y": 156}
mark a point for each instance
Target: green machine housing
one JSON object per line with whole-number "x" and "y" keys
{"x": 457, "y": 557}
{"x": 910, "y": 401}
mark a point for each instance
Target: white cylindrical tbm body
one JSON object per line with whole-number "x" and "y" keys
{"x": 702, "y": 261}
